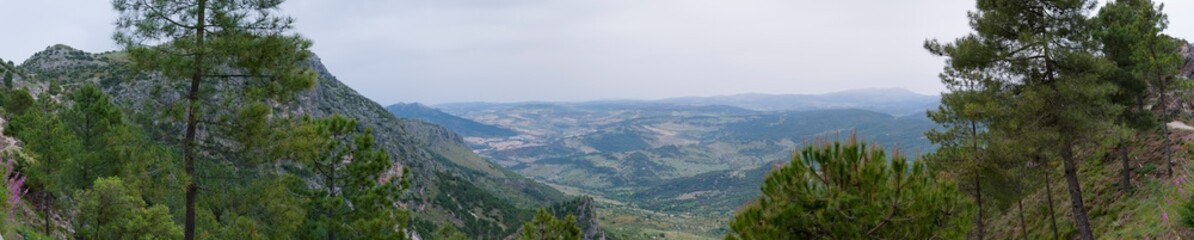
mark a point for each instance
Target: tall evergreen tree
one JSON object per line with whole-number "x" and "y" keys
{"x": 852, "y": 191}
{"x": 963, "y": 144}
{"x": 243, "y": 43}
{"x": 1157, "y": 62}
{"x": 356, "y": 198}
{"x": 98, "y": 124}
{"x": 1128, "y": 32}
{"x": 52, "y": 143}
{"x": 1038, "y": 56}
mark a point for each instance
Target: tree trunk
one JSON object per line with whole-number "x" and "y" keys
{"x": 978, "y": 221}
{"x": 189, "y": 140}
{"x": 978, "y": 183}
{"x": 46, "y": 170}
{"x": 1049, "y": 197}
{"x": 1023, "y": 226}
{"x": 46, "y": 205}
{"x": 1020, "y": 205}
{"x": 1071, "y": 177}
{"x": 1163, "y": 82}
{"x": 1168, "y": 151}
{"x": 331, "y": 184}
{"x": 1127, "y": 168}
{"x": 46, "y": 195}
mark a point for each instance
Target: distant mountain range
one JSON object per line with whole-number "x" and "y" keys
{"x": 894, "y": 101}
{"x": 456, "y": 124}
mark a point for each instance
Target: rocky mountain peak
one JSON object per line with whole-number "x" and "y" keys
{"x": 60, "y": 57}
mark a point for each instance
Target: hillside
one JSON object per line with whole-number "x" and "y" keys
{"x": 1154, "y": 210}
{"x": 450, "y": 184}
{"x": 462, "y": 126}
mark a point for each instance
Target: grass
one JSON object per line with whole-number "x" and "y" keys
{"x": 1150, "y": 211}
{"x": 623, "y": 221}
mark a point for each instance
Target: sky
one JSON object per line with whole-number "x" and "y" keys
{"x": 439, "y": 51}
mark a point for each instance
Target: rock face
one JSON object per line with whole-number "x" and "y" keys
{"x": 586, "y": 218}
{"x": 61, "y": 58}
{"x": 444, "y": 169}
{"x": 1187, "y": 52}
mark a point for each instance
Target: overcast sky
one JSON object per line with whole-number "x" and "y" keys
{"x": 437, "y": 51}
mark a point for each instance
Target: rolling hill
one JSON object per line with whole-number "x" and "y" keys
{"x": 697, "y": 160}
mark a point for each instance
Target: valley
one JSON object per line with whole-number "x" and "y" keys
{"x": 688, "y": 161}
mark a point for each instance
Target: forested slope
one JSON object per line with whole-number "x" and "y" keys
{"x": 450, "y": 184}
{"x": 1156, "y": 207}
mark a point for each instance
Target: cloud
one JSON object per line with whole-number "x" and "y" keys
{"x": 438, "y": 51}
{"x": 512, "y": 50}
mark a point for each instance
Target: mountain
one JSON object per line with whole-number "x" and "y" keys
{"x": 465, "y": 127}
{"x": 894, "y": 101}
{"x": 450, "y": 184}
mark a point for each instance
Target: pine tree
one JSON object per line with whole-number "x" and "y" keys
{"x": 1037, "y": 56}
{"x": 852, "y": 191}
{"x": 54, "y": 88}
{"x": 47, "y": 137}
{"x": 356, "y": 195}
{"x": 1125, "y": 30}
{"x": 1157, "y": 62}
{"x": 963, "y": 142}
{"x": 242, "y": 43}
{"x": 8, "y": 80}
{"x": 546, "y": 226}
{"x": 112, "y": 210}
{"x": 99, "y": 125}
{"x": 16, "y": 102}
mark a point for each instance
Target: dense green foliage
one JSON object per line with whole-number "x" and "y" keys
{"x": 78, "y": 140}
{"x": 112, "y": 210}
{"x": 546, "y": 226}
{"x": 447, "y": 232}
{"x": 356, "y": 200}
{"x": 198, "y": 39}
{"x": 852, "y": 191}
{"x": 110, "y": 179}
{"x": 1043, "y": 80}
{"x": 16, "y": 102}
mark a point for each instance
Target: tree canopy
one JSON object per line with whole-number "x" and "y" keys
{"x": 849, "y": 190}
